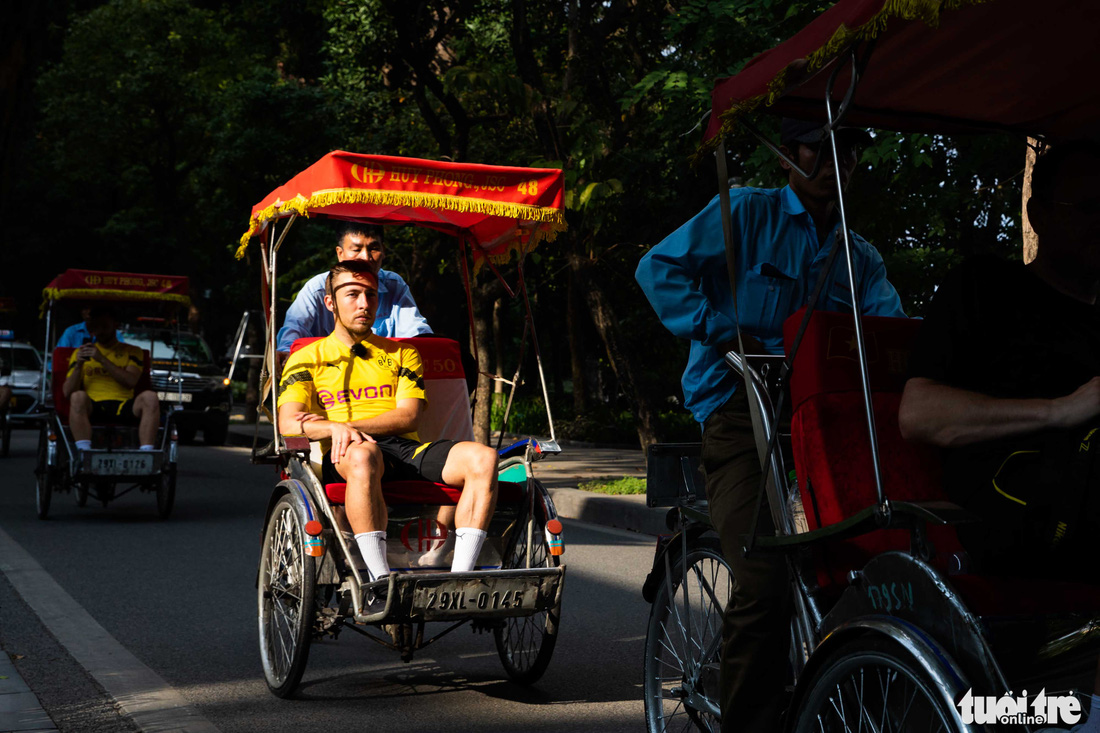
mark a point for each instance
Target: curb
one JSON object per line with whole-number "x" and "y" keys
{"x": 20, "y": 709}
{"x": 627, "y": 512}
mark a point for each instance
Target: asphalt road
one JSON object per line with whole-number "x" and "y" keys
{"x": 180, "y": 596}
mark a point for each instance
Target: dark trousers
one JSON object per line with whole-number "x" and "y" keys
{"x": 756, "y": 623}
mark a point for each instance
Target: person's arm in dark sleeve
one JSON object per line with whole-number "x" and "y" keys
{"x": 934, "y": 410}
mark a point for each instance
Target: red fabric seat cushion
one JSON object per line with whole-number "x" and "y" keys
{"x": 426, "y": 492}
{"x": 61, "y": 356}
{"x": 829, "y": 439}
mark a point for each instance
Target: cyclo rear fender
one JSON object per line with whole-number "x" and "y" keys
{"x": 898, "y": 591}
{"x": 307, "y": 511}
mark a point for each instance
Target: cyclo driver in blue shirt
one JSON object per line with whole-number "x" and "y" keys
{"x": 781, "y": 239}
{"x": 397, "y": 316}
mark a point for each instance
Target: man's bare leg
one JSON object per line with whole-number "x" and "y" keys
{"x": 472, "y": 467}
{"x": 362, "y": 468}
{"x": 80, "y": 415}
{"x": 147, "y": 411}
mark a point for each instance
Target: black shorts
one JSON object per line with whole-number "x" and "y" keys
{"x": 114, "y": 411}
{"x": 402, "y": 460}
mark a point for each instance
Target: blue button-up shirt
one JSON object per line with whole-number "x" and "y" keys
{"x": 397, "y": 317}
{"x": 74, "y": 335}
{"x": 778, "y": 261}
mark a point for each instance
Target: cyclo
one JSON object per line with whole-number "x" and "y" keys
{"x": 114, "y": 458}
{"x": 891, "y": 630}
{"x": 311, "y": 580}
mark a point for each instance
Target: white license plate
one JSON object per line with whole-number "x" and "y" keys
{"x": 469, "y": 597}
{"x": 122, "y": 464}
{"x": 174, "y": 397}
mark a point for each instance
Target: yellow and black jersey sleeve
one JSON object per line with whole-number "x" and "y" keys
{"x": 410, "y": 375}
{"x": 297, "y": 382}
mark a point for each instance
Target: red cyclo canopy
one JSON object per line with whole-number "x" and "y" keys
{"x": 495, "y": 208}
{"x": 936, "y": 66}
{"x": 96, "y": 285}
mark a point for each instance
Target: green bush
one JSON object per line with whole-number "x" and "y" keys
{"x": 624, "y": 485}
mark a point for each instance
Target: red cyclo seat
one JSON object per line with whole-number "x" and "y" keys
{"x": 426, "y": 492}
{"x": 832, "y": 453}
{"x": 833, "y": 461}
{"x": 61, "y": 357}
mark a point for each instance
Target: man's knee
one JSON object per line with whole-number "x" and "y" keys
{"x": 479, "y": 463}
{"x": 362, "y": 460}
{"x": 80, "y": 403}
{"x": 146, "y": 402}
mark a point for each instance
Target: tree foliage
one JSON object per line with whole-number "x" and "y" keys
{"x": 160, "y": 122}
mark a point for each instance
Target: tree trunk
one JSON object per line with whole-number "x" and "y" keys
{"x": 484, "y": 296}
{"x": 1031, "y": 239}
{"x": 572, "y": 326}
{"x": 603, "y": 315}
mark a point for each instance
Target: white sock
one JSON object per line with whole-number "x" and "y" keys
{"x": 372, "y": 545}
{"x": 431, "y": 557}
{"x": 83, "y": 445}
{"x": 148, "y": 447}
{"x": 467, "y": 548}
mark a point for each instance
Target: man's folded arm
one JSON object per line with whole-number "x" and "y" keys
{"x": 295, "y": 419}
{"x": 937, "y": 413}
{"x": 404, "y": 418}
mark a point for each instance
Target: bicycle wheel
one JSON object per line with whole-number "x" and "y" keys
{"x": 683, "y": 642}
{"x": 874, "y": 683}
{"x": 526, "y": 644}
{"x": 44, "y": 480}
{"x": 287, "y": 586}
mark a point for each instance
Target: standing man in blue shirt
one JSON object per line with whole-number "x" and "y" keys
{"x": 78, "y": 334}
{"x": 781, "y": 239}
{"x": 397, "y": 317}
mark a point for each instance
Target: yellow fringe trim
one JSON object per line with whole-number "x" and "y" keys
{"x": 301, "y": 205}
{"x": 49, "y": 294}
{"x": 517, "y": 247}
{"x": 927, "y": 11}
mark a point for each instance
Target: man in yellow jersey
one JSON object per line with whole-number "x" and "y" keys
{"x": 100, "y": 385}
{"x": 361, "y": 395}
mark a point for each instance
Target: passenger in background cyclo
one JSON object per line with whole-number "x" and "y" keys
{"x": 397, "y": 315}
{"x": 782, "y": 239}
{"x": 361, "y": 395}
{"x": 100, "y": 385}
{"x": 1005, "y": 377}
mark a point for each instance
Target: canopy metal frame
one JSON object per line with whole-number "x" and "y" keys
{"x": 269, "y": 258}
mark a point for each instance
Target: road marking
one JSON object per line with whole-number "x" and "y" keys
{"x": 150, "y": 702}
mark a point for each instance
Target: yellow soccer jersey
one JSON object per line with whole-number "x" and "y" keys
{"x": 329, "y": 380}
{"x": 97, "y": 382}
